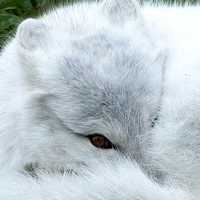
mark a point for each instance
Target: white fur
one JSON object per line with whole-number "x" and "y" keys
{"x": 108, "y": 68}
{"x": 110, "y": 181}
{"x": 176, "y": 139}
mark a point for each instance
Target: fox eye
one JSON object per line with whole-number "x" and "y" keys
{"x": 100, "y": 141}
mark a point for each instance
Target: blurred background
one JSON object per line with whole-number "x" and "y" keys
{"x": 12, "y": 12}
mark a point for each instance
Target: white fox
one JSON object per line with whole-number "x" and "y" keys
{"x": 100, "y": 101}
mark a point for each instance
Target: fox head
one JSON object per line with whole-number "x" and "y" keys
{"x": 93, "y": 78}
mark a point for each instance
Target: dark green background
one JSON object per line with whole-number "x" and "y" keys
{"x": 14, "y": 11}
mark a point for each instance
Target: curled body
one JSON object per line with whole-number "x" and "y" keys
{"x": 99, "y": 100}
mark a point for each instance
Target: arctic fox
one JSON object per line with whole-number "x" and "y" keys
{"x": 100, "y": 101}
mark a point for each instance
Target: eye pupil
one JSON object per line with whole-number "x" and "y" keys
{"x": 100, "y": 141}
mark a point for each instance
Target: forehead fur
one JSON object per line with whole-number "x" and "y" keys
{"x": 86, "y": 17}
{"x": 88, "y": 37}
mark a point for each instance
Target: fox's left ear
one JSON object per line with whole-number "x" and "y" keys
{"x": 32, "y": 41}
{"x": 121, "y": 10}
{"x": 31, "y": 34}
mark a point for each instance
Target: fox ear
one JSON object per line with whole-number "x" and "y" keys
{"x": 31, "y": 34}
{"x": 120, "y": 10}
{"x": 32, "y": 39}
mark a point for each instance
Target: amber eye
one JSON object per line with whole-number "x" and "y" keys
{"x": 100, "y": 141}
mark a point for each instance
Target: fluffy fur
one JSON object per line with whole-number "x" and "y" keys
{"x": 128, "y": 73}
{"x": 110, "y": 181}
